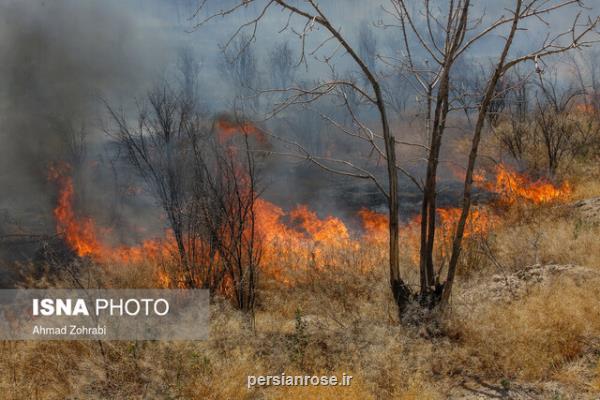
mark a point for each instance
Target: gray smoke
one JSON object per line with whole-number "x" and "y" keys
{"x": 58, "y": 59}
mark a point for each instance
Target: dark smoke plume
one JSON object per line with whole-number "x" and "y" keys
{"x": 58, "y": 59}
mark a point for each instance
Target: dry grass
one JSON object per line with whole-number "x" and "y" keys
{"x": 536, "y": 337}
{"x": 350, "y": 326}
{"x": 548, "y": 237}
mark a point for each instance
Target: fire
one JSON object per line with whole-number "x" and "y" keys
{"x": 374, "y": 224}
{"x": 478, "y": 224}
{"x": 326, "y": 230}
{"x": 227, "y": 130}
{"x": 79, "y": 234}
{"x": 512, "y": 188}
{"x": 299, "y": 239}
{"x": 82, "y": 235}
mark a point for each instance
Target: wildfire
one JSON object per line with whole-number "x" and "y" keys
{"x": 374, "y": 224}
{"x": 227, "y": 130}
{"x": 81, "y": 233}
{"x": 330, "y": 229}
{"x": 479, "y": 223}
{"x": 299, "y": 238}
{"x": 512, "y": 187}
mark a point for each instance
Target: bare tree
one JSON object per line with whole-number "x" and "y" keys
{"x": 587, "y": 73}
{"x": 552, "y": 121}
{"x": 281, "y": 60}
{"x": 225, "y": 194}
{"x": 433, "y": 41}
{"x": 563, "y": 132}
{"x": 240, "y": 67}
{"x": 157, "y": 148}
{"x": 367, "y": 45}
{"x": 205, "y": 186}
{"x": 189, "y": 69}
{"x": 579, "y": 34}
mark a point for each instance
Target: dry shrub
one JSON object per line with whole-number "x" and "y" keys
{"x": 349, "y": 325}
{"x": 596, "y": 380}
{"x": 347, "y": 330}
{"x": 39, "y": 370}
{"x": 548, "y": 238}
{"x": 584, "y": 176}
{"x": 535, "y": 337}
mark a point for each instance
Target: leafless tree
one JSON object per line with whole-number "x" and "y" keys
{"x": 564, "y": 131}
{"x": 205, "y": 186}
{"x": 189, "y": 69}
{"x": 586, "y": 68}
{"x": 281, "y": 59}
{"x": 226, "y": 203}
{"x": 433, "y": 39}
{"x": 367, "y": 45}
{"x": 579, "y": 34}
{"x": 553, "y": 122}
{"x": 157, "y": 148}
{"x": 240, "y": 68}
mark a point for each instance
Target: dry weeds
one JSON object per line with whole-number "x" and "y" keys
{"x": 542, "y": 344}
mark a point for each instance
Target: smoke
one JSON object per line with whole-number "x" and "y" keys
{"x": 58, "y": 59}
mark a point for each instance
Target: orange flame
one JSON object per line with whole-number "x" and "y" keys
{"x": 298, "y": 237}
{"x": 293, "y": 241}
{"x": 374, "y": 224}
{"x": 478, "y": 223}
{"x": 513, "y": 187}
{"x": 228, "y": 130}
{"x": 81, "y": 233}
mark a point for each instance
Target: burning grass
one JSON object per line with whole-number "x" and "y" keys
{"x": 82, "y": 235}
{"x": 336, "y": 281}
{"x": 512, "y": 188}
{"x": 298, "y": 240}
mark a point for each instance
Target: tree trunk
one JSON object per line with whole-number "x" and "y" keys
{"x": 400, "y": 291}
{"x": 466, "y": 204}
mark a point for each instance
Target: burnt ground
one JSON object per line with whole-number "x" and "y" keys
{"x": 343, "y": 197}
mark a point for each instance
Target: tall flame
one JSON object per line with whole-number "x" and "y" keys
{"x": 299, "y": 238}
{"x": 81, "y": 233}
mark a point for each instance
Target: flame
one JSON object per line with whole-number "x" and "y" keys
{"x": 326, "y": 230}
{"x": 585, "y": 108}
{"x": 299, "y": 239}
{"x": 82, "y": 235}
{"x": 79, "y": 234}
{"x": 513, "y": 187}
{"x": 227, "y": 130}
{"x": 479, "y": 223}
{"x": 374, "y": 224}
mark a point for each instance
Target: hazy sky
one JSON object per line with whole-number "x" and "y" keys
{"x": 60, "y": 57}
